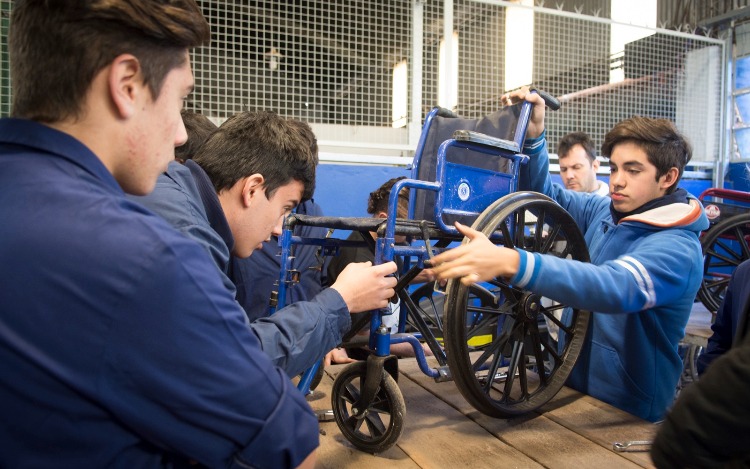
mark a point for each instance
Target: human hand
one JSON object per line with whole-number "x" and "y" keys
{"x": 476, "y": 261}
{"x": 536, "y": 123}
{"x": 337, "y": 356}
{"x": 365, "y": 287}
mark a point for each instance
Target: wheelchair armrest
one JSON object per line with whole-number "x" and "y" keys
{"x": 483, "y": 139}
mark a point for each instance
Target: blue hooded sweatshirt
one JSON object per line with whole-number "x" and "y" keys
{"x": 641, "y": 283}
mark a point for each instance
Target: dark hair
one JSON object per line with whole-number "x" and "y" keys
{"x": 199, "y": 128}
{"x": 664, "y": 145}
{"x": 378, "y": 201}
{"x": 58, "y": 46}
{"x": 259, "y": 142}
{"x": 576, "y": 138}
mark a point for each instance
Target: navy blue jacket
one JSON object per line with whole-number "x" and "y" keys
{"x": 735, "y": 305}
{"x": 296, "y": 336}
{"x": 119, "y": 345}
{"x": 709, "y": 424}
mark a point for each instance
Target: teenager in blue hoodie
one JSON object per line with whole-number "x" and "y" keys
{"x": 646, "y": 262}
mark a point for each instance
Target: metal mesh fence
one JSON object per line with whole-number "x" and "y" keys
{"x": 332, "y": 63}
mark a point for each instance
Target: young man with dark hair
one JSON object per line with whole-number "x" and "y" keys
{"x": 578, "y": 164}
{"x": 232, "y": 196}
{"x": 257, "y": 276}
{"x": 646, "y": 261}
{"x": 119, "y": 343}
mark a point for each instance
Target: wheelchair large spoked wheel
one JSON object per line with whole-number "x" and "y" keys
{"x": 513, "y": 355}
{"x": 725, "y": 245}
{"x": 378, "y": 426}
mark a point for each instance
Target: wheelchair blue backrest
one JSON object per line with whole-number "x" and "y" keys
{"x": 475, "y": 161}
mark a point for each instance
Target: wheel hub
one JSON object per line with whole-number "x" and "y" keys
{"x": 530, "y": 304}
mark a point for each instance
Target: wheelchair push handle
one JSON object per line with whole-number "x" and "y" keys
{"x": 445, "y": 112}
{"x": 551, "y": 102}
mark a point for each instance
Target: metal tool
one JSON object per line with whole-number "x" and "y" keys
{"x": 632, "y": 446}
{"x": 325, "y": 415}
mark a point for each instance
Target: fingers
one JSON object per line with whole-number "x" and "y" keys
{"x": 327, "y": 359}
{"x": 467, "y": 231}
{"x": 386, "y": 268}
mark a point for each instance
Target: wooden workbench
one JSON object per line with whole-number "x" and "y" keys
{"x": 442, "y": 431}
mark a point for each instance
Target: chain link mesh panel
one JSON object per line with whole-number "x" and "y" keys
{"x": 331, "y": 64}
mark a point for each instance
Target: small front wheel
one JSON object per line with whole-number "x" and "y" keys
{"x": 377, "y": 426}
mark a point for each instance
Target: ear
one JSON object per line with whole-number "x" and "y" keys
{"x": 595, "y": 164}
{"x": 668, "y": 179}
{"x": 252, "y": 188}
{"x": 381, "y": 215}
{"x": 125, "y": 84}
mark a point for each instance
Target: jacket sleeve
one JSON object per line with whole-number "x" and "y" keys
{"x": 655, "y": 272}
{"x": 710, "y": 421}
{"x": 297, "y": 336}
{"x": 183, "y": 369}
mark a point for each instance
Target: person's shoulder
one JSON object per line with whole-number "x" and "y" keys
{"x": 175, "y": 198}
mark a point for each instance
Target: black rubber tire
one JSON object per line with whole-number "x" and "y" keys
{"x": 725, "y": 246}
{"x": 383, "y": 421}
{"x": 513, "y": 329}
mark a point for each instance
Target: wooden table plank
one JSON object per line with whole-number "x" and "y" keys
{"x": 442, "y": 430}
{"x": 435, "y": 436}
{"x": 600, "y": 423}
{"x": 541, "y": 438}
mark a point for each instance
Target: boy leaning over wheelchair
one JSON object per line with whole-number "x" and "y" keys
{"x": 645, "y": 261}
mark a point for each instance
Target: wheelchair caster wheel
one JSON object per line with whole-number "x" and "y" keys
{"x": 375, "y": 427}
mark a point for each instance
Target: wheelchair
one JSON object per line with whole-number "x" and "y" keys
{"x": 506, "y": 352}
{"x": 725, "y": 244}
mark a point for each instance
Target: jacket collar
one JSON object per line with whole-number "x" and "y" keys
{"x": 214, "y": 211}
{"x": 45, "y": 139}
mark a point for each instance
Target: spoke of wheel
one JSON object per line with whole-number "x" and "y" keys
{"x": 495, "y": 347}
{"x": 380, "y": 405}
{"x": 350, "y": 393}
{"x": 724, "y": 282}
{"x": 550, "y": 240}
{"x": 520, "y": 227}
{"x": 740, "y": 233}
{"x": 374, "y": 425}
{"x": 513, "y": 366}
{"x": 536, "y": 343}
{"x": 354, "y": 423}
{"x": 492, "y": 372}
{"x": 475, "y": 327}
{"x": 539, "y": 231}
{"x": 507, "y": 239}
{"x": 558, "y": 323}
{"x": 551, "y": 349}
{"x": 735, "y": 258}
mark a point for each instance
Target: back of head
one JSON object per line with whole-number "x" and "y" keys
{"x": 259, "y": 143}
{"x": 378, "y": 201}
{"x": 199, "y": 128}
{"x": 567, "y": 142}
{"x": 58, "y": 46}
{"x": 664, "y": 145}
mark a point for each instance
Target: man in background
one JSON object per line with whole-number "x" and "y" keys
{"x": 578, "y": 164}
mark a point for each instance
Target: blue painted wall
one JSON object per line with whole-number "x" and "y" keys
{"x": 342, "y": 190}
